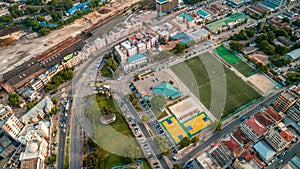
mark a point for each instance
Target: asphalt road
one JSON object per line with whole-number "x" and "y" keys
{"x": 62, "y": 137}
{"x": 289, "y": 155}
{"x": 227, "y": 129}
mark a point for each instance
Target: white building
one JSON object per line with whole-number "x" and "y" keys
{"x": 141, "y": 47}
{"x": 131, "y": 49}
{"x": 9, "y": 122}
{"x": 135, "y": 61}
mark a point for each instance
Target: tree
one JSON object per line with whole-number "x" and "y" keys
{"x": 51, "y": 159}
{"x": 44, "y": 31}
{"x": 219, "y": 126}
{"x": 177, "y": 166}
{"x": 145, "y": 118}
{"x": 285, "y": 19}
{"x": 294, "y": 77}
{"x": 54, "y": 100}
{"x": 13, "y": 99}
{"x": 30, "y": 105}
{"x": 171, "y": 82}
{"x": 236, "y": 46}
{"x": 185, "y": 142}
{"x": 261, "y": 67}
{"x": 131, "y": 153}
{"x": 270, "y": 37}
{"x": 163, "y": 147}
{"x": 162, "y": 40}
{"x": 179, "y": 48}
{"x": 281, "y": 50}
{"x": 157, "y": 103}
{"x": 96, "y": 159}
{"x": 250, "y": 32}
{"x": 6, "y": 19}
{"x": 195, "y": 139}
{"x": 294, "y": 38}
{"x": 296, "y": 22}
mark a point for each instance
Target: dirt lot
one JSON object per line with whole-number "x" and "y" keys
{"x": 262, "y": 57}
{"x": 262, "y": 83}
{"x": 23, "y": 50}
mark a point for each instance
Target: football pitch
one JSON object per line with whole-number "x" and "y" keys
{"x": 206, "y": 77}
{"x": 245, "y": 69}
{"x": 227, "y": 55}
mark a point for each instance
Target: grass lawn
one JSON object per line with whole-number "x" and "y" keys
{"x": 161, "y": 115}
{"x": 244, "y": 68}
{"x": 106, "y": 72}
{"x": 227, "y": 55}
{"x": 201, "y": 78}
{"x": 114, "y": 138}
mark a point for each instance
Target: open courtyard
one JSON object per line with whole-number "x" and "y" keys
{"x": 217, "y": 87}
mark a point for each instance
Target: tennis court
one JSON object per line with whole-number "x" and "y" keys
{"x": 227, "y": 55}
{"x": 197, "y": 124}
{"x": 174, "y": 128}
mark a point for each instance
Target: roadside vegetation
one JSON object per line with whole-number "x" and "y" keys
{"x": 134, "y": 101}
{"x": 58, "y": 79}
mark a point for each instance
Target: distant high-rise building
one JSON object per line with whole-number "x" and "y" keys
{"x": 164, "y": 6}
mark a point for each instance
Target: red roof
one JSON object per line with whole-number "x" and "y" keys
{"x": 231, "y": 144}
{"x": 256, "y": 127}
{"x": 286, "y": 135}
{"x": 263, "y": 119}
{"x": 239, "y": 135}
{"x": 247, "y": 156}
{"x": 273, "y": 114}
{"x": 132, "y": 38}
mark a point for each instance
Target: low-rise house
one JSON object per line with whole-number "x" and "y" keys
{"x": 221, "y": 156}
{"x": 263, "y": 119}
{"x": 264, "y": 151}
{"x": 199, "y": 35}
{"x": 136, "y": 61}
{"x": 233, "y": 145}
{"x": 294, "y": 112}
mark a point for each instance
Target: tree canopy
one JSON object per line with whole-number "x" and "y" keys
{"x": 236, "y": 46}
{"x": 157, "y": 102}
{"x": 162, "y": 145}
{"x": 13, "y": 99}
{"x": 185, "y": 142}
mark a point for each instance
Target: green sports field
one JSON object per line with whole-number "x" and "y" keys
{"x": 244, "y": 68}
{"x": 227, "y": 55}
{"x": 217, "y": 87}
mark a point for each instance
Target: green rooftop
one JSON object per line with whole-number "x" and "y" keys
{"x": 226, "y": 20}
{"x": 167, "y": 90}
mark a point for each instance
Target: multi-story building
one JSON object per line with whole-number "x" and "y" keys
{"x": 131, "y": 49}
{"x": 38, "y": 111}
{"x": 136, "y": 61}
{"x": 5, "y": 111}
{"x": 253, "y": 129}
{"x": 285, "y": 100}
{"x": 165, "y": 6}
{"x": 294, "y": 112}
{"x": 141, "y": 47}
{"x": 9, "y": 123}
{"x": 278, "y": 139}
{"x": 12, "y": 126}
{"x": 71, "y": 60}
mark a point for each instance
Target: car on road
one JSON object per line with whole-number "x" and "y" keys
{"x": 280, "y": 161}
{"x": 64, "y": 131}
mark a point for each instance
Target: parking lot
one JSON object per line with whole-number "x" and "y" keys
{"x": 146, "y": 82}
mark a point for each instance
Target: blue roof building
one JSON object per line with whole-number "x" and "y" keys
{"x": 167, "y": 90}
{"x": 184, "y": 38}
{"x": 79, "y": 7}
{"x": 136, "y": 58}
{"x": 203, "y": 14}
{"x": 188, "y": 17}
{"x": 264, "y": 150}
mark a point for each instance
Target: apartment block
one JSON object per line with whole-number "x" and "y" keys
{"x": 253, "y": 129}
{"x": 165, "y": 6}
{"x": 285, "y": 100}
{"x": 278, "y": 139}
{"x": 12, "y": 126}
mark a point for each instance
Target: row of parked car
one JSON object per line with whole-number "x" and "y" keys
{"x": 152, "y": 116}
